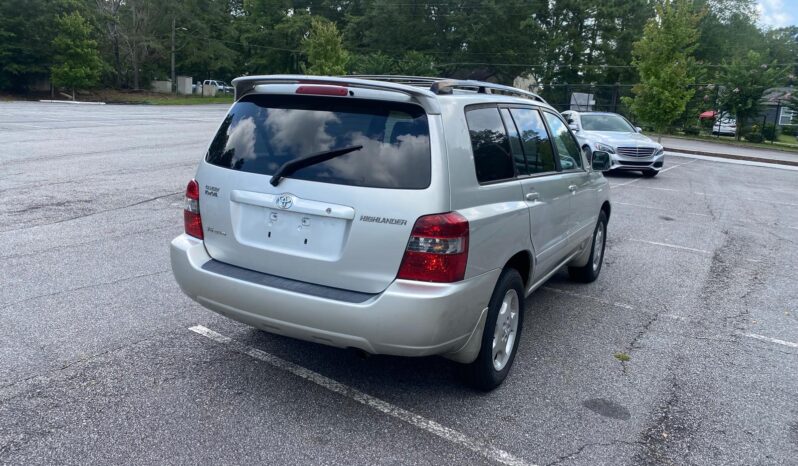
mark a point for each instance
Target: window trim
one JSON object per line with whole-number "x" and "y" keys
{"x": 557, "y": 168}
{"x": 518, "y": 132}
{"x": 495, "y": 106}
{"x": 582, "y": 168}
{"x": 793, "y": 116}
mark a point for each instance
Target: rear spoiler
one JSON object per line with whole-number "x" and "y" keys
{"x": 426, "y": 98}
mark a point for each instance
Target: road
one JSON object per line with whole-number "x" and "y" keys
{"x": 98, "y": 363}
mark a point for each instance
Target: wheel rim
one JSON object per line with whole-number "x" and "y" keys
{"x": 598, "y": 247}
{"x": 506, "y": 330}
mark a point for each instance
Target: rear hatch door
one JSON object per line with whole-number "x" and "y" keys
{"x": 344, "y": 222}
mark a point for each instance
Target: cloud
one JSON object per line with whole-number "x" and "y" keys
{"x": 777, "y": 13}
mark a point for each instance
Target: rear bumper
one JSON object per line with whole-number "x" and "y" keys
{"x": 637, "y": 163}
{"x": 407, "y": 319}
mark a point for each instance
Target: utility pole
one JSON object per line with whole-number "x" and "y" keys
{"x": 174, "y": 83}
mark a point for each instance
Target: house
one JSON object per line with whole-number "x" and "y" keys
{"x": 775, "y": 109}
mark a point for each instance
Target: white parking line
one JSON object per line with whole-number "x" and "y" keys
{"x": 661, "y": 171}
{"x": 479, "y": 446}
{"x": 673, "y": 246}
{"x": 733, "y": 161}
{"x": 770, "y": 340}
{"x": 660, "y": 209}
{"x": 609, "y": 303}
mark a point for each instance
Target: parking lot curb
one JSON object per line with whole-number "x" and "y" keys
{"x": 76, "y": 102}
{"x": 793, "y": 163}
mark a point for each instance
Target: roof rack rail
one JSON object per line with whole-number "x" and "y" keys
{"x": 443, "y": 86}
{"x": 447, "y": 86}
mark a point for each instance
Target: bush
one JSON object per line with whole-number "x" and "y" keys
{"x": 754, "y": 137}
{"x": 791, "y": 130}
{"x": 692, "y": 130}
{"x": 770, "y": 132}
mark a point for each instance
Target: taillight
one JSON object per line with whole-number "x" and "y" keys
{"x": 322, "y": 90}
{"x": 191, "y": 214}
{"x": 437, "y": 250}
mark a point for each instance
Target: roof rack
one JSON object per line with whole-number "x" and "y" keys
{"x": 443, "y": 86}
{"x": 422, "y": 89}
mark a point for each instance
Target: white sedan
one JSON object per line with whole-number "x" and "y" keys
{"x": 629, "y": 149}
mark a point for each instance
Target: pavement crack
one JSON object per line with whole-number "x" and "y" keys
{"x": 70, "y": 290}
{"x": 155, "y": 198}
{"x": 578, "y": 451}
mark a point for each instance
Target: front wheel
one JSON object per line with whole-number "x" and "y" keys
{"x": 501, "y": 334}
{"x": 590, "y": 271}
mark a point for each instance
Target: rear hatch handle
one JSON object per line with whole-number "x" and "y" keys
{"x": 293, "y": 165}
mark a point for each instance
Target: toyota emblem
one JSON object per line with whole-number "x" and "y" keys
{"x": 285, "y": 201}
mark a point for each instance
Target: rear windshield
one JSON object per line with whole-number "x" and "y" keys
{"x": 262, "y": 132}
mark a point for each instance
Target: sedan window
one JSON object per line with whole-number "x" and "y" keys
{"x": 612, "y": 123}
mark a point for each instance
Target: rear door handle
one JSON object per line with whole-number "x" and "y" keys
{"x": 532, "y": 197}
{"x": 572, "y": 187}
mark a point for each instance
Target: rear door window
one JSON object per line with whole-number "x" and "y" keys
{"x": 535, "y": 140}
{"x": 493, "y": 160}
{"x": 262, "y": 132}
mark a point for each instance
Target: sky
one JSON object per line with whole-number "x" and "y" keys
{"x": 778, "y": 13}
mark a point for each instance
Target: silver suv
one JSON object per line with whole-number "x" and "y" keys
{"x": 394, "y": 215}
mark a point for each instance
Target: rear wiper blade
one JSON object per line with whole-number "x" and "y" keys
{"x": 302, "y": 162}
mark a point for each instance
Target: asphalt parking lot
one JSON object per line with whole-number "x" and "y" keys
{"x": 99, "y": 362}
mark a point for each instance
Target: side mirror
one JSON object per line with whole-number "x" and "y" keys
{"x": 600, "y": 161}
{"x": 574, "y": 127}
{"x": 638, "y": 129}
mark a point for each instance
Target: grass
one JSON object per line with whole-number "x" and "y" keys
{"x": 784, "y": 143}
{"x": 127, "y": 97}
{"x": 152, "y": 98}
{"x": 623, "y": 357}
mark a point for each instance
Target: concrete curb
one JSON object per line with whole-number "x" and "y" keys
{"x": 76, "y": 102}
{"x": 793, "y": 163}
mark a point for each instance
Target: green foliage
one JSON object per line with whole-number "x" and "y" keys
{"x": 416, "y": 64}
{"x": 666, "y": 68}
{"x": 76, "y": 62}
{"x": 692, "y": 130}
{"x": 373, "y": 63}
{"x": 754, "y": 137}
{"x": 324, "y": 49}
{"x": 743, "y": 82}
{"x": 565, "y": 45}
{"x": 770, "y": 132}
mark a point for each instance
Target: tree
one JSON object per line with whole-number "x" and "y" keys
{"x": 76, "y": 62}
{"x": 743, "y": 82}
{"x": 663, "y": 59}
{"x": 324, "y": 49}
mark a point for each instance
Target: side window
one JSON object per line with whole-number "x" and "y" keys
{"x": 567, "y": 147}
{"x": 535, "y": 140}
{"x": 515, "y": 143}
{"x": 492, "y": 158}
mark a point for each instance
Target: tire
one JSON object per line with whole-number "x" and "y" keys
{"x": 506, "y": 307}
{"x": 650, "y": 173}
{"x": 590, "y": 271}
